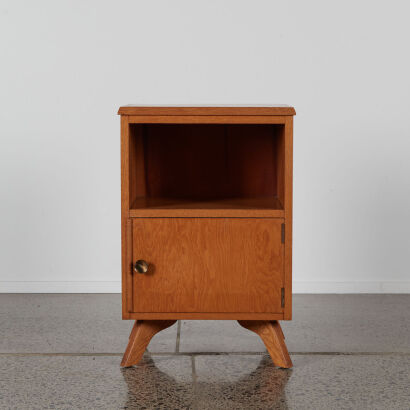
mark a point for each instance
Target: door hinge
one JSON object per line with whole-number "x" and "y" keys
{"x": 283, "y": 233}
{"x": 282, "y": 297}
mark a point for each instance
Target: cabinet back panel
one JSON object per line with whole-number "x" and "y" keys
{"x": 206, "y": 161}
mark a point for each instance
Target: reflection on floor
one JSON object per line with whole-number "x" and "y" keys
{"x": 64, "y": 351}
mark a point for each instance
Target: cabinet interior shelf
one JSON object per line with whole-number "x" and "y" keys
{"x": 239, "y": 207}
{"x": 206, "y": 170}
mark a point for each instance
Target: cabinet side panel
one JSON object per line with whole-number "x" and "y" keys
{"x": 137, "y": 183}
{"x": 279, "y": 161}
{"x": 250, "y": 160}
{"x": 128, "y": 285}
{"x": 124, "y": 212}
{"x": 288, "y": 194}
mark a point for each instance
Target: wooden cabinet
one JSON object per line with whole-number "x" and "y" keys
{"x": 206, "y": 219}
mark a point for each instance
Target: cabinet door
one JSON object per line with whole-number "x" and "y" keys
{"x": 208, "y": 265}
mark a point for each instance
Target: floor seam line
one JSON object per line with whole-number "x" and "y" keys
{"x": 194, "y": 382}
{"x": 209, "y": 354}
{"x": 178, "y": 337}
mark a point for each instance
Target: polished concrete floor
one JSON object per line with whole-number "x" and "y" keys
{"x": 64, "y": 351}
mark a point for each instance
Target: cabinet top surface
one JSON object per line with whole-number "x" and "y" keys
{"x": 275, "y": 109}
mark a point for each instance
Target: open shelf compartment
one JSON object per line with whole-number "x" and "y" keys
{"x": 206, "y": 170}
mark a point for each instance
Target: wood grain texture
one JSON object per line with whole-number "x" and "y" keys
{"x": 259, "y": 188}
{"x": 205, "y": 316}
{"x": 271, "y": 334}
{"x": 206, "y": 119}
{"x": 201, "y": 162}
{"x": 137, "y": 179}
{"x": 279, "y": 161}
{"x": 141, "y": 334}
{"x": 201, "y": 111}
{"x": 128, "y": 267}
{"x": 208, "y": 265}
{"x": 186, "y": 161}
{"x": 125, "y": 203}
{"x": 229, "y": 208}
{"x": 288, "y": 205}
{"x": 250, "y": 166}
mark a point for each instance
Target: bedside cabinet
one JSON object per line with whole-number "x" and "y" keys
{"x": 206, "y": 196}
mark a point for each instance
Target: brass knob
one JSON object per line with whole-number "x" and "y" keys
{"x": 141, "y": 266}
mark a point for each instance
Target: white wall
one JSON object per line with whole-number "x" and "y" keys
{"x": 66, "y": 66}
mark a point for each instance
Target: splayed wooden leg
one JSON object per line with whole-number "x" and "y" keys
{"x": 141, "y": 334}
{"x": 271, "y": 334}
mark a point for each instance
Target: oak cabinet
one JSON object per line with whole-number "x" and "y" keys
{"x": 206, "y": 219}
